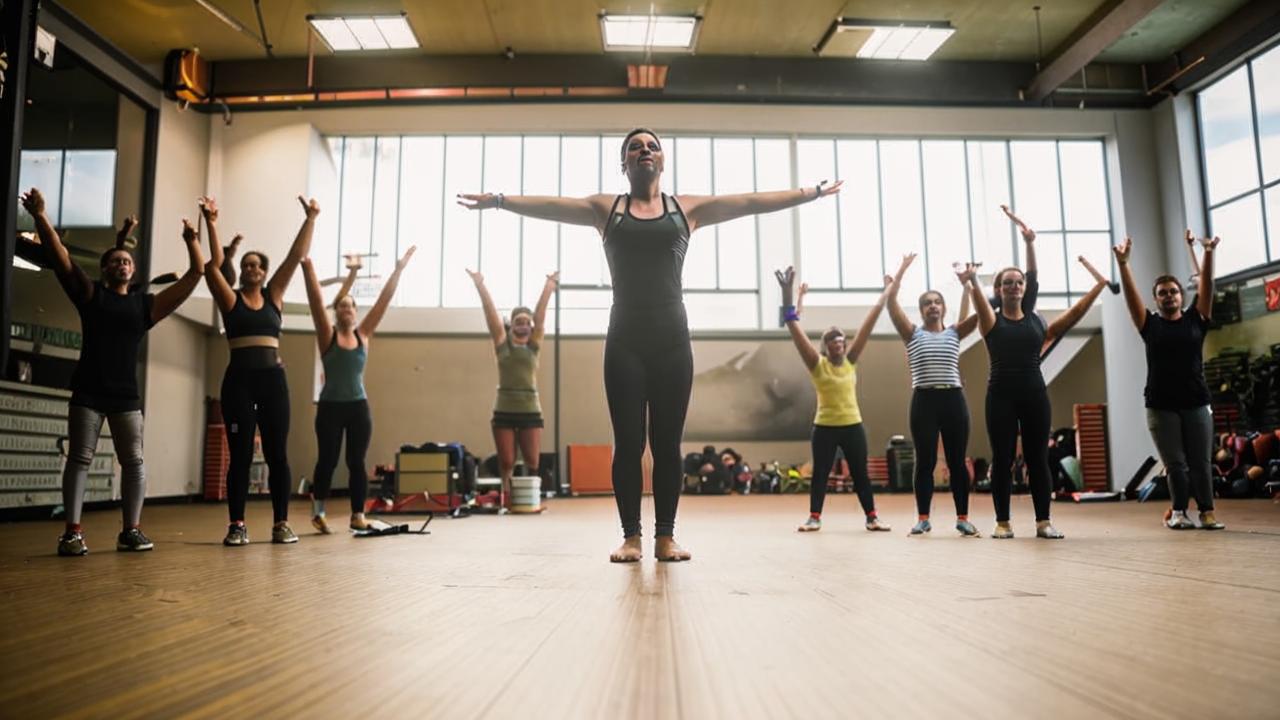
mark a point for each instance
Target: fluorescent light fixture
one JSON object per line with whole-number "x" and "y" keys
{"x": 348, "y": 33}
{"x": 887, "y": 40}
{"x": 649, "y": 33}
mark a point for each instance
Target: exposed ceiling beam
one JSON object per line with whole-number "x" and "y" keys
{"x": 1252, "y": 25}
{"x": 263, "y": 84}
{"x": 1107, "y": 25}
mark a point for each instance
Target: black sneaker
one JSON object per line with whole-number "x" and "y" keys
{"x": 236, "y": 535}
{"x": 133, "y": 540}
{"x": 71, "y": 544}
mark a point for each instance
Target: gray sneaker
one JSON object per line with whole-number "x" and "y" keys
{"x": 71, "y": 544}
{"x": 921, "y": 528}
{"x": 812, "y": 524}
{"x": 1003, "y": 531}
{"x": 967, "y": 529}
{"x": 282, "y": 534}
{"x": 237, "y": 535}
{"x": 132, "y": 540}
{"x": 874, "y": 525}
{"x": 1046, "y": 530}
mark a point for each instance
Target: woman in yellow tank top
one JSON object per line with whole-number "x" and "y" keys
{"x": 838, "y": 422}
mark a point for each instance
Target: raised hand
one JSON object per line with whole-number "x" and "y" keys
{"x": 1210, "y": 244}
{"x": 33, "y": 202}
{"x": 786, "y": 278}
{"x": 404, "y": 259}
{"x": 481, "y": 201}
{"x": 126, "y": 229}
{"x": 1097, "y": 276}
{"x": 307, "y": 267}
{"x": 208, "y": 208}
{"x": 1123, "y": 250}
{"x": 476, "y": 277}
{"x": 235, "y": 242}
{"x": 965, "y": 272}
{"x": 353, "y": 262}
{"x": 189, "y": 234}
{"x": 311, "y": 208}
{"x": 1189, "y": 237}
{"x": 804, "y": 288}
{"x": 1028, "y": 234}
{"x": 906, "y": 263}
{"x": 553, "y": 279}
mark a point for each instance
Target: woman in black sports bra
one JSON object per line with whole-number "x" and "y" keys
{"x": 254, "y": 390}
{"x": 648, "y": 360}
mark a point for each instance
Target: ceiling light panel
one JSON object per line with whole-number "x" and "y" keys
{"x": 640, "y": 33}
{"x": 366, "y": 32}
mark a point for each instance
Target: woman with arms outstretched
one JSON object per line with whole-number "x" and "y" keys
{"x": 648, "y": 362}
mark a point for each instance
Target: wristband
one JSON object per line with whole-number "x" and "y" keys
{"x": 501, "y": 200}
{"x": 790, "y": 314}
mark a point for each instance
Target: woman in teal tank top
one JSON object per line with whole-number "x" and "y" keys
{"x": 517, "y": 414}
{"x": 343, "y": 407}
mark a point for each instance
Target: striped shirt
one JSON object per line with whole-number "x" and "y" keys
{"x": 934, "y": 358}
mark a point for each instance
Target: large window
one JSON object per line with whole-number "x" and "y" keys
{"x": 941, "y": 200}
{"x": 938, "y": 198}
{"x": 1240, "y": 142}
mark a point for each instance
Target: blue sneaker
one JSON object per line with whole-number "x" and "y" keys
{"x": 921, "y": 528}
{"x": 966, "y": 528}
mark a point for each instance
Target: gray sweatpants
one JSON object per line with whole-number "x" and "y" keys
{"x": 84, "y": 426}
{"x": 1184, "y": 439}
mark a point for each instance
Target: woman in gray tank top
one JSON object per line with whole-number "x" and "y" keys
{"x": 517, "y": 414}
{"x": 343, "y": 407}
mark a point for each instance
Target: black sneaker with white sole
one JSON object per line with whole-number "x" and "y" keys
{"x": 133, "y": 540}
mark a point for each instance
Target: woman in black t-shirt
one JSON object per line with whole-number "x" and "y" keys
{"x": 113, "y": 322}
{"x": 1177, "y": 398}
{"x": 1017, "y": 399}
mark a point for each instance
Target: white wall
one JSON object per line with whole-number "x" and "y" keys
{"x": 176, "y": 348}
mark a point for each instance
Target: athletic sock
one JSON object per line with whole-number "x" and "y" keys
{"x": 317, "y": 507}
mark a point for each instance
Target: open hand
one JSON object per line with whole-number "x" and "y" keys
{"x": 404, "y": 259}
{"x": 33, "y": 202}
{"x": 481, "y": 201}
{"x": 1123, "y": 250}
{"x": 208, "y": 208}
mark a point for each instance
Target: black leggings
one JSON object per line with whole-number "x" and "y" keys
{"x": 332, "y": 419}
{"x": 257, "y": 397}
{"x": 1010, "y": 408}
{"x": 648, "y": 375}
{"x": 851, "y": 439}
{"x": 940, "y": 411}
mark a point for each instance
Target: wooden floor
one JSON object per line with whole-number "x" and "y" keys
{"x": 522, "y": 616}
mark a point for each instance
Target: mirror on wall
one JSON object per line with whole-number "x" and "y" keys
{"x": 83, "y": 146}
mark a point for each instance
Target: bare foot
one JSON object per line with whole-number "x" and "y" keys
{"x": 668, "y": 550}
{"x": 628, "y": 552}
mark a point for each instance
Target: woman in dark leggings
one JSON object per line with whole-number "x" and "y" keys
{"x": 648, "y": 360}
{"x": 254, "y": 390}
{"x": 937, "y": 399}
{"x": 1017, "y": 399}
{"x": 1178, "y": 412}
{"x": 838, "y": 422}
{"x": 343, "y": 406}
{"x": 104, "y": 386}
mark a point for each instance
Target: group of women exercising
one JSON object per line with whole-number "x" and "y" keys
{"x": 648, "y": 365}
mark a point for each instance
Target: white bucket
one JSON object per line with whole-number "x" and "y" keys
{"x": 526, "y": 493}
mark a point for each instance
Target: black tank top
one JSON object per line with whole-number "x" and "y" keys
{"x": 1014, "y": 346}
{"x": 243, "y": 321}
{"x": 646, "y": 257}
